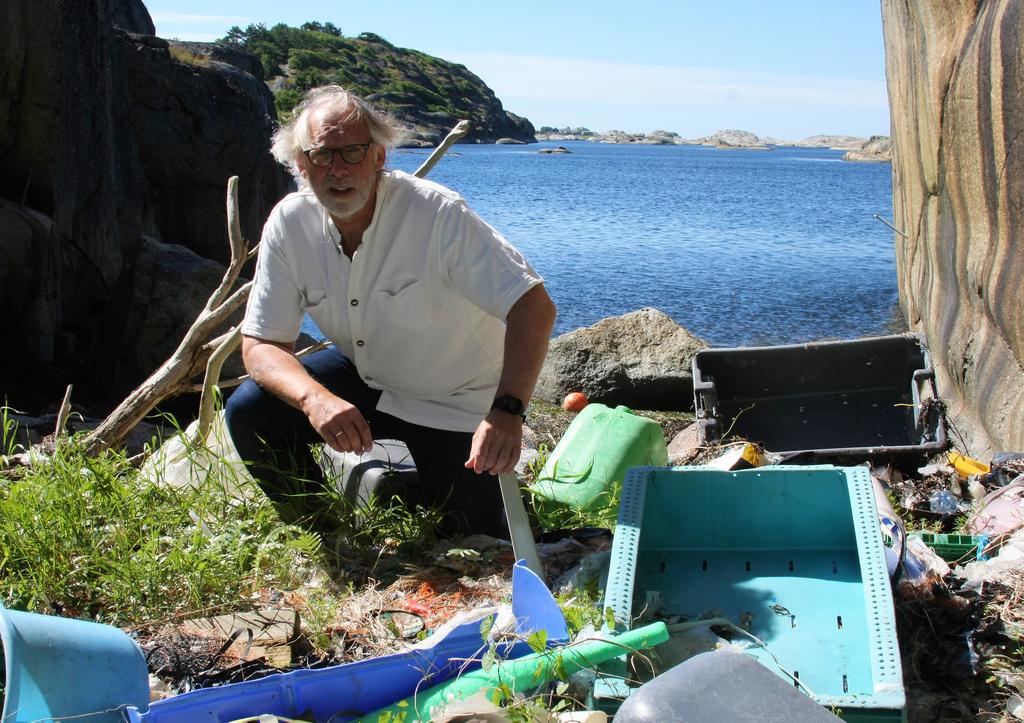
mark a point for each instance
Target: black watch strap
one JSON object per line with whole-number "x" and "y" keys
{"x": 512, "y": 405}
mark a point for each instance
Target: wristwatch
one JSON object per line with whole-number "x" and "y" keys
{"x": 510, "y": 404}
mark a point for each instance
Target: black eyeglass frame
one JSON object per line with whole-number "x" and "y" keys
{"x": 340, "y": 152}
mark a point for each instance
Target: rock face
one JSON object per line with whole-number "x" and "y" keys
{"x": 877, "y": 149}
{"x": 104, "y": 138}
{"x": 196, "y": 122}
{"x": 956, "y": 90}
{"x": 641, "y": 359}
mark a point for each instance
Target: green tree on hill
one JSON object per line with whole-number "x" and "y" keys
{"x": 422, "y": 90}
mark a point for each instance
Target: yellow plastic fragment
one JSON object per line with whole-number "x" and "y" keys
{"x": 965, "y": 466}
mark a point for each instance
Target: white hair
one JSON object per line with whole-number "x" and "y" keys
{"x": 340, "y": 105}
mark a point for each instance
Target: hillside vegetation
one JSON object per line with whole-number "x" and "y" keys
{"x": 427, "y": 94}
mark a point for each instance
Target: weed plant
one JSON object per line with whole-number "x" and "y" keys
{"x": 94, "y": 537}
{"x": 90, "y": 537}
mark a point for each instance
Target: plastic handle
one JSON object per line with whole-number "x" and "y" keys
{"x": 523, "y": 545}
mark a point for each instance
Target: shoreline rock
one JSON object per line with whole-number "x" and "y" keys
{"x": 724, "y": 139}
{"x": 641, "y": 359}
{"x": 877, "y": 149}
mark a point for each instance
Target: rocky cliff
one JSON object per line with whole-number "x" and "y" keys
{"x": 108, "y": 145}
{"x": 956, "y": 90}
{"x": 428, "y": 95}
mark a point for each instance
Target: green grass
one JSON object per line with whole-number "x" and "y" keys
{"x": 183, "y": 55}
{"x": 94, "y": 537}
{"x": 8, "y": 434}
{"x": 88, "y": 537}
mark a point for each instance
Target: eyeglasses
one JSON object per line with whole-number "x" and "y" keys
{"x": 353, "y": 154}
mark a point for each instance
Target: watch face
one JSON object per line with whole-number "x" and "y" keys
{"x": 508, "y": 403}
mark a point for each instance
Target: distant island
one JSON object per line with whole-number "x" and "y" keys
{"x": 874, "y": 149}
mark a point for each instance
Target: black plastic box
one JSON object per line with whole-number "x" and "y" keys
{"x": 830, "y": 400}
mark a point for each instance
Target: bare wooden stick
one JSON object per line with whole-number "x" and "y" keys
{"x": 461, "y": 128}
{"x": 238, "y": 248}
{"x": 190, "y": 358}
{"x": 62, "y": 414}
{"x": 229, "y": 383}
{"x": 213, "y": 367}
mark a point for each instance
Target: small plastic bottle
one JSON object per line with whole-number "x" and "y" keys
{"x": 943, "y": 501}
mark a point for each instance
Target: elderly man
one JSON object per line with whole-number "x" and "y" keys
{"x": 439, "y": 325}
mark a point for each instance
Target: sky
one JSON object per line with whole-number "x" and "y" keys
{"x": 786, "y": 69}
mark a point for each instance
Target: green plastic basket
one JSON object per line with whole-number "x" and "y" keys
{"x": 955, "y": 548}
{"x": 791, "y": 554}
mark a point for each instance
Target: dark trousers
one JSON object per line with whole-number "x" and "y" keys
{"x": 274, "y": 440}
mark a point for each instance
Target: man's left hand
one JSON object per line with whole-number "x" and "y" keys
{"x": 497, "y": 443}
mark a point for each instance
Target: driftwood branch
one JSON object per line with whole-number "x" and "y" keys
{"x": 62, "y": 414}
{"x": 238, "y": 248}
{"x": 190, "y": 358}
{"x": 213, "y": 367}
{"x": 461, "y": 128}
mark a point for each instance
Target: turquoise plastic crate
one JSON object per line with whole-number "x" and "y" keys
{"x": 792, "y": 554}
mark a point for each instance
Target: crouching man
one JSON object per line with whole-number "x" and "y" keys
{"x": 439, "y": 325}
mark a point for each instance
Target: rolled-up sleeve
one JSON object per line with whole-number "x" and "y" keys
{"x": 274, "y": 311}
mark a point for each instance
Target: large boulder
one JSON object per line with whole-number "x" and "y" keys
{"x": 132, "y": 16}
{"x": 28, "y": 253}
{"x": 168, "y": 285}
{"x": 64, "y": 131}
{"x": 956, "y": 91}
{"x": 106, "y": 137}
{"x": 641, "y": 359}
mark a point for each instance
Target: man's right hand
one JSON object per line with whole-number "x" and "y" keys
{"x": 341, "y": 424}
{"x": 274, "y": 367}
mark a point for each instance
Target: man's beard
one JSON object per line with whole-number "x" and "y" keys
{"x": 343, "y": 206}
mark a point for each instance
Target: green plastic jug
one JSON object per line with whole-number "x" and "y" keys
{"x": 595, "y": 451}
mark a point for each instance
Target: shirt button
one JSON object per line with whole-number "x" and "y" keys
{"x": 360, "y": 342}
{"x": 354, "y": 302}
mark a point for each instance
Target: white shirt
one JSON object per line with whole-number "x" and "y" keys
{"x": 420, "y": 308}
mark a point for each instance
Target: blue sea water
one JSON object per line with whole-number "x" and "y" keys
{"x": 739, "y": 247}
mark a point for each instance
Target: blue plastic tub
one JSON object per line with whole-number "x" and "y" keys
{"x": 349, "y": 691}
{"x": 791, "y": 554}
{"x": 59, "y": 668}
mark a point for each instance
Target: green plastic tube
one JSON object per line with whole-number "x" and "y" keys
{"x": 520, "y": 674}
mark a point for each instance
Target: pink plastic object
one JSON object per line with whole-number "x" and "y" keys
{"x": 1000, "y": 511}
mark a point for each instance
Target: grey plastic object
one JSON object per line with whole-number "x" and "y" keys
{"x": 823, "y": 401}
{"x": 385, "y": 470}
{"x": 722, "y": 686}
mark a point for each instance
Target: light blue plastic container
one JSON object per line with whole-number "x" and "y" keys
{"x": 792, "y": 555}
{"x": 59, "y": 668}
